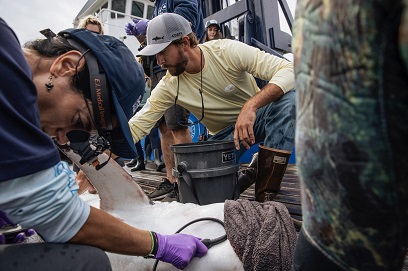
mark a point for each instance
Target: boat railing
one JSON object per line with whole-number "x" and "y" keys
{"x": 114, "y": 25}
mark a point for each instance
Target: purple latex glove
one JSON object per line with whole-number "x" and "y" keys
{"x": 138, "y": 28}
{"x": 129, "y": 29}
{"x": 11, "y": 233}
{"x": 23, "y": 237}
{"x": 178, "y": 249}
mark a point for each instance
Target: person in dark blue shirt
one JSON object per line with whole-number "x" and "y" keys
{"x": 43, "y": 94}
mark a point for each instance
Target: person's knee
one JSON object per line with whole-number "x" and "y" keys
{"x": 290, "y": 102}
{"x": 182, "y": 135}
{"x": 176, "y": 117}
{"x": 181, "y": 131}
{"x": 164, "y": 130}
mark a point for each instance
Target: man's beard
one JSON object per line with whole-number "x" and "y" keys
{"x": 180, "y": 66}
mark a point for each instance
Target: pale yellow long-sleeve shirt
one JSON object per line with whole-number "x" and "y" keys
{"x": 227, "y": 83}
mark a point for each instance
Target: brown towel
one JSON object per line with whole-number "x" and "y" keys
{"x": 262, "y": 234}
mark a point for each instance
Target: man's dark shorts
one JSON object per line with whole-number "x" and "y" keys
{"x": 172, "y": 117}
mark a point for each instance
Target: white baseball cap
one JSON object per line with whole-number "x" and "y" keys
{"x": 162, "y": 30}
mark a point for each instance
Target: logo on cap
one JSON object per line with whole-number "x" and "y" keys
{"x": 177, "y": 34}
{"x": 158, "y": 38}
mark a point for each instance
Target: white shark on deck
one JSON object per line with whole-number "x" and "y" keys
{"x": 121, "y": 196}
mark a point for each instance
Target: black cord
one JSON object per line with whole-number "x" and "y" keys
{"x": 207, "y": 242}
{"x": 98, "y": 167}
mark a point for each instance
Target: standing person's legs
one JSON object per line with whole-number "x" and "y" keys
{"x": 179, "y": 134}
{"x": 48, "y": 256}
{"x": 154, "y": 80}
{"x": 167, "y": 139}
{"x": 148, "y": 148}
{"x": 156, "y": 147}
{"x": 140, "y": 165}
{"x": 137, "y": 163}
{"x": 135, "y": 160}
{"x": 155, "y": 139}
{"x": 171, "y": 133}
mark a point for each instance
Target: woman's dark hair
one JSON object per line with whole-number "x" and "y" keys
{"x": 55, "y": 47}
{"x": 217, "y": 37}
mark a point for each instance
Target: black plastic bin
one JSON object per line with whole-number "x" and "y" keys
{"x": 206, "y": 171}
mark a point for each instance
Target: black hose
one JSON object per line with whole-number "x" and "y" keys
{"x": 207, "y": 242}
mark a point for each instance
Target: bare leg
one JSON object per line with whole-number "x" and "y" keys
{"x": 168, "y": 138}
{"x": 180, "y": 136}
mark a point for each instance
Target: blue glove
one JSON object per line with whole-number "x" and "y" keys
{"x": 178, "y": 249}
{"x": 138, "y": 28}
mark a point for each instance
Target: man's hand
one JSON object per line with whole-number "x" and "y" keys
{"x": 244, "y": 128}
{"x": 178, "y": 249}
{"x": 138, "y": 28}
{"x": 84, "y": 183}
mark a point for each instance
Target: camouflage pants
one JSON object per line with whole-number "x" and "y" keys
{"x": 351, "y": 63}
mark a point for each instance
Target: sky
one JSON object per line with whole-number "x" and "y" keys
{"x": 28, "y": 17}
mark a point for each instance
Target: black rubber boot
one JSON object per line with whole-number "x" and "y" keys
{"x": 160, "y": 165}
{"x": 148, "y": 152}
{"x": 247, "y": 176}
{"x": 140, "y": 164}
{"x": 132, "y": 163}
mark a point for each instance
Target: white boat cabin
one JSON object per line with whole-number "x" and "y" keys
{"x": 114, "y": 14}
